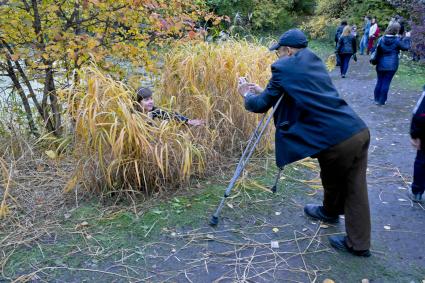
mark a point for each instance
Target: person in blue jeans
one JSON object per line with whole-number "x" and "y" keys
{"x": 346, "y": 48}
{"x": 388, "y": 49}
{"x": 417, "y": 133}
{"x": 365, "y": 37}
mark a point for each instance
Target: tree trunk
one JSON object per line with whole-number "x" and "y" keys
{"x": 21, "y": 92}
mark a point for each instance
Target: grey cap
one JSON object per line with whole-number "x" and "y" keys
{"x": 292, "y": 38}
{"x": 143, "y": 93}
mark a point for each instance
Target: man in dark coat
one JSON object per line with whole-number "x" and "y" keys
{"x": 417, "y": 133}
{"x": 312, "y": 120}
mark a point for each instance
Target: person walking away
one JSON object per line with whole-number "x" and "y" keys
{"x": 339, "y": 31}
{"x": 346, "y": 48}
{"x": 389, "y": 47}
{"x": 365, "y": 37}
{"x": 313, "y": 120}
{"x": 373, "y": 34}
{"x": 417, "y": 133}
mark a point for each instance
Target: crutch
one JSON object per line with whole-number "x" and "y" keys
{"x": 249, "y": 149}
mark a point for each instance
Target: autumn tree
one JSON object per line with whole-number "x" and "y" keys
{"x": 44, "y": 42}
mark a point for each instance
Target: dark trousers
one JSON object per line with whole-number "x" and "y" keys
{"x": 345, "y": 61}
{"x": 383, "y": 85}
{"x": 343, "y": 173}
{"x": 418, "y": 185}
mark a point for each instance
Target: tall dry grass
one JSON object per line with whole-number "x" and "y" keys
{"x": 201, "y": 81}
{"x": 120, "y": 149}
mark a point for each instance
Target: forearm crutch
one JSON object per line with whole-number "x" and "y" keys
{"x": 249, "y": 149}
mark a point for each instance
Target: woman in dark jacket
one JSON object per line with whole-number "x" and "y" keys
{"x": 417, "y": 133}
{"x": 345, "y": 48}
{"x": 388, "y": 49}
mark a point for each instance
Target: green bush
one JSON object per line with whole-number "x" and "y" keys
{"x": 261, "y": 15}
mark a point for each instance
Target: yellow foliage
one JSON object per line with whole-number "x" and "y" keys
{"x": 318, "y": 26}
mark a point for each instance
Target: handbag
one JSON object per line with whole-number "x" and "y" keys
{"x": 374, "y": 56}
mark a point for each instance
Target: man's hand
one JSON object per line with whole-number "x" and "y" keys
{"x": 244, "y": 86}
{"x": 196, "y": 122}
{"x": 416, "y": 143}
{"x": 254, "y": 88}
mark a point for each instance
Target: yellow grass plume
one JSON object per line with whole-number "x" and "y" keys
{"x": 122, "y": 149}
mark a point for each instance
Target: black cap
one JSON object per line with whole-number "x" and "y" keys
{"x": 143, "y": 93}
{"x": 292, "y": 38}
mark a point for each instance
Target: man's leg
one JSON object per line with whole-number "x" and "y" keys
{"x": 418, "y": 185}
{"x": 363, "y": 44}
{"x": 335, "y": 165}
{"x": 357, "y": 213}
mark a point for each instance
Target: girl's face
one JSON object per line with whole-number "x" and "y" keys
{"x": 147, "y": 104}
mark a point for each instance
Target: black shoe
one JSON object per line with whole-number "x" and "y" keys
{"x": 339, "y": 242}
{"x": 317, "y": 212}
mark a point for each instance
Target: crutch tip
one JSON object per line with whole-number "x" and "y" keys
{"x": 274, "y": 189}
{"x": 214, "y": 220}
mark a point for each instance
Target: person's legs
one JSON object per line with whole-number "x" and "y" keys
{"x": 387, "y": 77}
{"x": 357, "y": 213}
{"x": 362, "y": 44}
{"x": 377, "y": 91}
{"x": 346, "y": 61}
{"x": 418, "y": 185}
{"x": 335, "y": 165}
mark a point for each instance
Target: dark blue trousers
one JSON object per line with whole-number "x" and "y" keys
{"x": 383, "y": 86}
{"x": 418, "y": 185}
{"x": 345, "y": 61}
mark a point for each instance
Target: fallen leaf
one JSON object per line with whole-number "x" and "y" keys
{"x": 385, "y": 202}
{"x": 40, "y": 168}
{"x": 401, "y": 199}
{"x": 230, "y": 205}
{"x": 327, "y": 280}
{"x": 305, "y": 229}
{"x": 277, "y": 213}
{"x": 324, "y": 226}
{"x": 365, "y": 280}
{"x": 386, "y": 227}
{"x": 275, "y": 230}
{"x": 173, "y": 250}
{"x": 274, "y": 244}
{"x": 173, "y": 234}
{"x": 89, "y": 237}
{"x": 51, "y": 154}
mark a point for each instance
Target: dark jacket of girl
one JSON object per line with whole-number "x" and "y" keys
{"x": 389, "y": 47}
{"x": 417, "y": 127}
{"x": 346, "y": 45}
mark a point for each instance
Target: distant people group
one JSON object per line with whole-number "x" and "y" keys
{"x": 384, "y": 50}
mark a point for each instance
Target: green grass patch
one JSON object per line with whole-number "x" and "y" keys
{"x": 410, "y": 75}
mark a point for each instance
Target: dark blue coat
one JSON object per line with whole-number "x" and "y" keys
{"x": 388, "y": 49}
{"x": 417, "y": 127}
{"x": 346, "y": 45}
{"x": 311, "y": 117}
